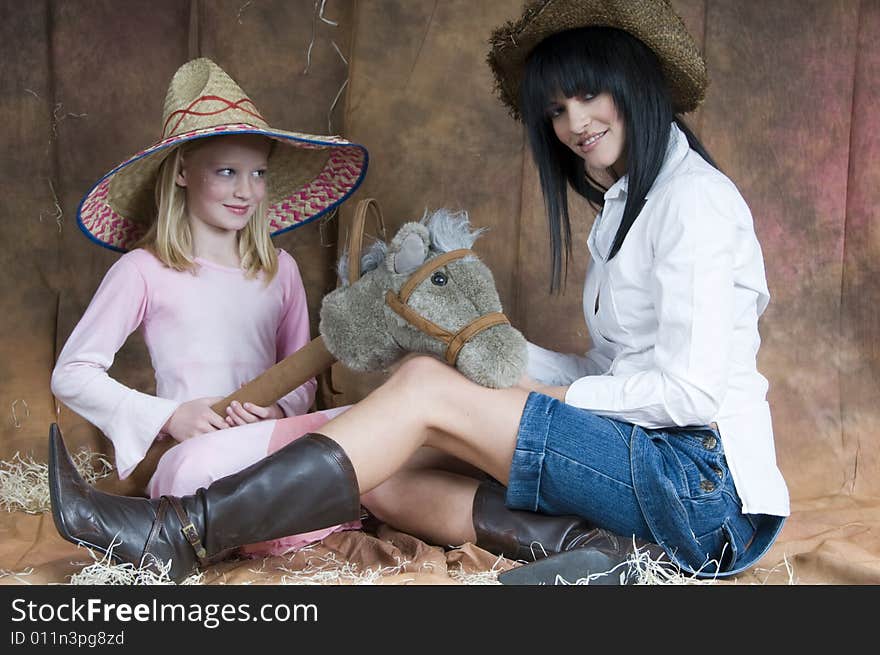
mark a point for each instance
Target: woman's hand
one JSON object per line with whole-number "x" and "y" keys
{"x": 527, "y": 383}
{"x": 193, "y": 418}
{"x": 238, "y": 414}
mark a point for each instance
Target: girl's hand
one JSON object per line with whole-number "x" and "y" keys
{"x": 238, "y": 414}
{"x": 194, "y": 418}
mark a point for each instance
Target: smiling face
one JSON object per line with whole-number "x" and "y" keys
{"x": 225, "y": 180}
{"x": 592, "y": 128}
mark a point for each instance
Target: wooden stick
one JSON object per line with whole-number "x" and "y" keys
{"x": 278, "y": 381}
{"x": 313, "y": 358}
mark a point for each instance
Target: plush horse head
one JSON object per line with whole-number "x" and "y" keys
{"x": 425, "y": 292}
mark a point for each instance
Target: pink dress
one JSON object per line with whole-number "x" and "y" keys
{"x": 207, "y": 332}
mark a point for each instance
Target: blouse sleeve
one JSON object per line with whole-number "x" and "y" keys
{"x": 294, "y": 333}
{"x": 693, "y": 295}
{"x": 129, "y": 418}
{"x": 560, "y": 369}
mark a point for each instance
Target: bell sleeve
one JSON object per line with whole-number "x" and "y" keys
{"x": 129, "y": 418}
{"x": 561, "y": 369}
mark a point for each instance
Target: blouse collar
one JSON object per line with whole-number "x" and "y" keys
{"x": 676, "y": 150}
{"x": 603, "y": 232}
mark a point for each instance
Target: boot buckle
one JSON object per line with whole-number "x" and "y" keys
{"x": 189, "y": 530}
{"x": 192, "y": 536}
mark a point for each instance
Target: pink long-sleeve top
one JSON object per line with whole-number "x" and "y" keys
{"x": 208, "y": 332}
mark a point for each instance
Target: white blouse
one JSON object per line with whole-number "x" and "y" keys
{"x": 673, "y": 319}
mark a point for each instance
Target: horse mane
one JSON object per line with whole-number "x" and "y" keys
{"x": 449, "y": 231}
{"x": 370, "y": 260}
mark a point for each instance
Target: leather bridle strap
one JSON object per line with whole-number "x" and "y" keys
{"x": 429, "y": 267}
{"x": 454, "y": 341}
{"x": 471, "y": 330}
{"x": 415, "y": 319}
{"x": 356, "y": 243}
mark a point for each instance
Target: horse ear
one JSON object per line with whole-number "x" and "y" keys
{"x": 408, "y": 249}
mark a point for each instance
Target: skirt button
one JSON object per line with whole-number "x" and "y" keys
{"x": 710, "y": 442}
{"x": 707, "y": 486}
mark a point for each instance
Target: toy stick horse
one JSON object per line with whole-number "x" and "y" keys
{"x": 426, "y": 292}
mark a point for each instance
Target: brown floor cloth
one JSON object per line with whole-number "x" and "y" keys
{"x": 832, "y": 540}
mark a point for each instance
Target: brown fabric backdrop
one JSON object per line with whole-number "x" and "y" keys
{"x": 790, "y": 116}
{"x": 83, "y": 88}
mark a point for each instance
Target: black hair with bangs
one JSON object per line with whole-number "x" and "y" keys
{"x": 593, "y": 60}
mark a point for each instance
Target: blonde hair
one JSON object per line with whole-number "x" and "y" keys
{"x": 170, "y": 238}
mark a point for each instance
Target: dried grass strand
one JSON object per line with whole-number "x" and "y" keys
{"x": 333, "y": 106}
{"x": 58, "y": 115}
{"x": 339, "y": 52}
{"x": 27, "y": 412}
{"x": 104, "y": 571}
{"x": 24, "y": 483}
{"x": 338, "y": 93}
{"x": 312, "y": 41}
{"x": 642, "y": 569}
{"x": 324, "y": 18}
{"x": 58, "y": 212}
{"x": 327, "y": 569}
{"x": 789, "y": 570}
{"x": 489, "y": 577}
{"x": 16, "y": 574}
{"x": 241, "y": 11}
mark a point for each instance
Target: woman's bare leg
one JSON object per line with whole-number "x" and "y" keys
{"x": 431, "y": 504}
{"x": 426, "y": 402}
{"x": 431, "y": 497}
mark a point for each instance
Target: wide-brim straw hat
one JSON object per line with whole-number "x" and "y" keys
{"x": 653, "y": 22}
{"x": 308, "y": 175}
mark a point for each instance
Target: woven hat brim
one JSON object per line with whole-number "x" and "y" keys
{"x": 308, "y": 177}
{"x": 654, "y": 22}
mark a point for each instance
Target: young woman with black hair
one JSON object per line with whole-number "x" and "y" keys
{"x": 661, "y": 432}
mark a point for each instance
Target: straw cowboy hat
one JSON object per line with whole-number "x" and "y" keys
{"x": 309, "y": 176}
{"x": 653, "y": 22}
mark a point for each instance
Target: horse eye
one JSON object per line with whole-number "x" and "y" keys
{"x": 439, "y": 279}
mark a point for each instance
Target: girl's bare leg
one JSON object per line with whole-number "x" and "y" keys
{"x": 426, "y": 402}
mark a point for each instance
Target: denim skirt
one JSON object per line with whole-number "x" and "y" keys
{"x": 670, "y": 486}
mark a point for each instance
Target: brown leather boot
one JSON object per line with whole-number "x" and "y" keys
{"x": 523, "y": 535}
{"x": 573, "y": 548}
{"x": 307, "y": 485}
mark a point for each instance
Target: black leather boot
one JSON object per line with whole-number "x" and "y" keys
{"x": 564, "y": 546}
{"x": 307, "y": 485}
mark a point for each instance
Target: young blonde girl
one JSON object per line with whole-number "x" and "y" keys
{"x": 216, "y": 301}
